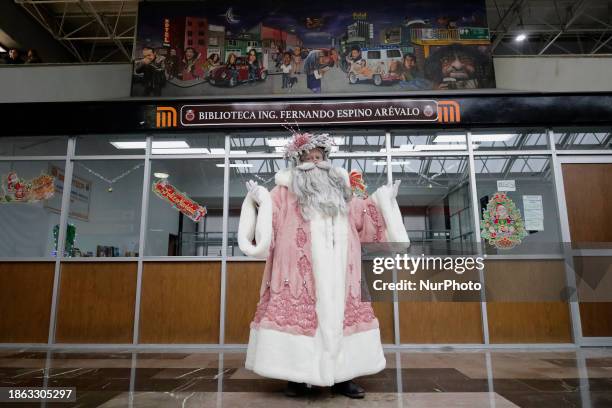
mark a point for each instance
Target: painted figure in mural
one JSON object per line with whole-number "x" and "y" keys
{"x": 253, "y": 66}
{"x": 315, "y": 65}
{"x": 286, "y": 69}
{"x": 459, "y": 67}
{"x": 212, "y": 62}
{"x": 354, "y": 58}
{"x": 310, "y": 325}
{"x": 153, "y": 69}
{"x": 192, "y": 65}
{"x": 231, "y": 66}
{"x": 172, "y": 64}
{"x": 297, "y": 60}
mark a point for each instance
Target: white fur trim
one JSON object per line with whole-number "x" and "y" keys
{"x": 275, "y": 354}
{"x": 256, "y": 224}
{"x": 387, "y": 205}
{"x": 283, "y": 177}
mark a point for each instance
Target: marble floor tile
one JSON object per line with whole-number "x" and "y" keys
{"x": 425, "y": 378}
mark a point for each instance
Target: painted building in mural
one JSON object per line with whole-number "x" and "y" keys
{"x": 397, "y": 47}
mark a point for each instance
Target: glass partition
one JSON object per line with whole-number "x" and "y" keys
{"x": 33, "y": 146}
{"x": 30, "y": 204}
{"x": 105, "y": 207}
{"x": 434, "y": 199}
{"x": 185, "y": 208}
{"x": 510, "y": 139}
{"x": 583, "y": 139}
{"x": 526, "y": 191}
{"x": 414, "y": 140}
{"x": 129, "y": 144}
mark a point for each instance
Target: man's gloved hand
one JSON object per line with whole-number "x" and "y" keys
{"x": 255, "y": 191}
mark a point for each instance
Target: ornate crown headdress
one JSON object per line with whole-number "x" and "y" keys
{"x": 303, "y": 141}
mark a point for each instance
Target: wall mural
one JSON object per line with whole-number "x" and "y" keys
{"x": 242, "y": 48}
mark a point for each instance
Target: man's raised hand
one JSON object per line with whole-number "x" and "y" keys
{"x": 253, "y": 189}
{"x": 395, "y": 188}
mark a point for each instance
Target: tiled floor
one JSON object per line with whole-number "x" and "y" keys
{"x": 459, "y": 378}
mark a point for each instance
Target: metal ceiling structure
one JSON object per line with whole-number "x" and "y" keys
{"x": 92, "y": 30}
{"x": 104, "y": 30}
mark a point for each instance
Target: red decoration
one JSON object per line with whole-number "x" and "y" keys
{"x": 179, "y": 200}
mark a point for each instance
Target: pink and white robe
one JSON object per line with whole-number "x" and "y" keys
{"x": 310, "y": 325}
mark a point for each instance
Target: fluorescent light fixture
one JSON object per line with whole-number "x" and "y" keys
{"x": 157, "y": 144}
{"x": 521, "y": 37}
{"x": 240, "y": 165}
{"x": 170, "y": 144}
{"x": 193, "y": 150}
{"x": 420, "y": 148}
{"x": 276, "y": 142}
{"x": 217, "y": 150}
{"x": 161, "y": 175}
{"x": 238, "y": 152}
{"x": 450, "y": 138}
{"x": 393, "y": 163}
{"x": 496, "y": 137}
{"x": 129, "y": 145}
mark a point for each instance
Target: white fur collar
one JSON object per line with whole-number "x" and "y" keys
{"x": 283, "y": 177}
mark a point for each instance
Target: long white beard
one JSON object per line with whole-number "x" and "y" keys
{"x": 320, "y": 187}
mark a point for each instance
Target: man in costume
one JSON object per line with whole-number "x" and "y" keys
{"x": 310, "y": 325}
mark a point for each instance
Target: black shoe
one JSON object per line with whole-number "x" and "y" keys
{"x": 295, "y": 389}
{"x": 348, "y": 388}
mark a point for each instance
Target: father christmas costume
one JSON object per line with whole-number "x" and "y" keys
{"x": 310, "y": 325}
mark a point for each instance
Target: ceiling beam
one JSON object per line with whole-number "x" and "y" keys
{"x": 576, "y": 10}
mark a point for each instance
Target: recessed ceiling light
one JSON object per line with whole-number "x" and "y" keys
{"x": 521, "y": 37}
{"x": 161, "y": 175}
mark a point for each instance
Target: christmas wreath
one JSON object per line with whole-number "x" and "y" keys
{"x": 502, "y": 224}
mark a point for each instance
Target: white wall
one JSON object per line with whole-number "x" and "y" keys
{"x": 554, "y": 73}
{"x": 40, "y": 83}
{"x": 61, "y": 83}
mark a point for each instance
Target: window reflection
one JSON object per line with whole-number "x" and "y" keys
{"x": 525, "y": 139}
{"x": 587, "y": 139}
{"x": 427, "y": 140}
{"x": 346, "y": 140}
{"x": 434, "y": 199}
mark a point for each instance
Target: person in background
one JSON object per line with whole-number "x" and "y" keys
{"x": 32, "y": 57}
{"x": 153, "y": 69}
{"x": 14, "y": 57}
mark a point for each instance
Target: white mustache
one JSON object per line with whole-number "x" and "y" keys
{"x": 310, "y": 165}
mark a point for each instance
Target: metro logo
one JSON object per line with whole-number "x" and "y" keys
{"x": 166, "y": 117}
{"x": 449, "y": 112}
